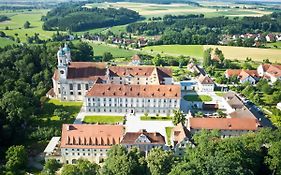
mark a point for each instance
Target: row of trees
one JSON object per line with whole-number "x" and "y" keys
{"x": 199, "y": 30}
{"x": 74, "y": 17}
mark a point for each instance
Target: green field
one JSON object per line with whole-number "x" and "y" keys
{"x": 220, "y": 94}
{"x": 176, "y": 50}
{"x": 201, "y": 98}
{"x": 5, "y": 42}
{"x": 18, "y": 18}
{"x": 100, "y": 48}
{"x": 103, "y": 119}
{"x": 115, "y": 29}
{"x": 276, "y": 45}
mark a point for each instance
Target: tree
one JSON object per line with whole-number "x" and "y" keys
{"x": 26, "y": 25}
{"x": 84, "y": 167}
{"x": 107, "y": 56}
{"x": 63, "y": 115}
{"x": 50, "y": 167}
{"x": 207, "y": 60}
{"x": 159, "y": 161}
{"x": 16, "y": 159}
{"x": 178, "y": 117}
{"x": 273, "y": 159}
{"x": 81, "y": 51}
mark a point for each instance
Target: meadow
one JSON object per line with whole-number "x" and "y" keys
{"x": 18, "y": 18}
{"x": 100, "y": 48}
{"x": 5, "y": 42}
{"x": 176, "y": 50}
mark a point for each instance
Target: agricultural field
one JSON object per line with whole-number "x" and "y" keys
{"x": 176, "y": 50}
{"x": 150, "y": 10}
{"x": 100, "y": 48}
{"x": 18, "y": 18}
{"x": 256, "y": 54}
{"x": 5, "y": 42}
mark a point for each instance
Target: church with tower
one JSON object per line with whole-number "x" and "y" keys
{"x": 75, "y": 81}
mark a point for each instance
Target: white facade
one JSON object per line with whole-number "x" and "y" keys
{"x": 131, "y": 105}
{"x": 206, "y": 87}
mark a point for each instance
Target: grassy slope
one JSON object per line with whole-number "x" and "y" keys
{"x": 5, "y": 42}
{"x": 103, "y": 119}
{"x": 99, "y": 49}
{"x": 177, "y": 50}
{"x": 19, "y": 18}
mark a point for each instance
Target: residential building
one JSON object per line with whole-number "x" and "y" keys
{"x": 136, "y": 60}
{"x": 272, "y": 72}
{"x": 180, "y": 139}
{"x": 85, "y": 141}
{"x": 143, "y": 140}
{"x": 195, "y": 68}
{"x": 250, "y": 76}
{"x": 130, "y": 99}
{"x": 205, "y": 84}
{"x": 227, "y": 127}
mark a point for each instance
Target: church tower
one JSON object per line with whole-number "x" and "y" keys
{"x": 66, "y": 50}
{"x": 62, "y": 64}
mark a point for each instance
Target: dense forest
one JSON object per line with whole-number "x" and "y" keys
{"x": 75, "y": 17}
{"x": 197, "y": 29}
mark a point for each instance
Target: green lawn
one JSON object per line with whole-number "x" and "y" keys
{"x": 220, "y": 94}
{"x": 276, "y": 45}
{"x": 103, "y": 119}
{"x": 168, "y": 134}
{"x": 202, "y": 98}
{"x": 155, "y": 118}
{"x": 18, "y": 18}
{"x": 100, "y": 48}
{"x": 5, "y": 42}
{"x": 176, "y": 50}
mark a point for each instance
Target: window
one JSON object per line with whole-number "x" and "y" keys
{"x": 71, "y": 93}
{"x": 79, "y": 93}
{"x": 70, "y": 86}
{"x": 59, "y": 90}
{"x": 79, "y": 87}
{"x": 86, "y": 86}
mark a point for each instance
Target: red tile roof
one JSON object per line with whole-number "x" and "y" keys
{"x": 153, "y": 137}
{"x": 179, "y": 133}
{"x": 90, "y": 136}
{"x": 223, "y": 123}
{"x": 242, "y": 74}
{"x": 86, "y": 70}
{"x": 141, "y": 91}
{"x": 274, "y": 70}
{"x": 205, "y": 79}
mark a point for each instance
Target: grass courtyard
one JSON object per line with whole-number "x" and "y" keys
{"x": 160, "y": 118}
{"x": 104, "y": 119}
{"x": 200, "y": 98}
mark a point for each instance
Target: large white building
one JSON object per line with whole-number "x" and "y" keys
{"x": 72, "y": 80}
{"x": 120, "y": 98}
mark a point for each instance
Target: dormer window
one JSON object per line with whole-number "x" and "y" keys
{"x": 62, "y": 72}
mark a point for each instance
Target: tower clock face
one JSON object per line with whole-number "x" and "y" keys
{"x": 62, "y": 72}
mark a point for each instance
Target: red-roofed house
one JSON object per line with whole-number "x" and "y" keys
{"x": 250, "y": 76}
{"x": 227, "y": 127}
{"x": 270, "y": 71}
{"x": 205, "y": 84}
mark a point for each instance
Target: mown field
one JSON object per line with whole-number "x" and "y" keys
{"x": 256, "y": 54}
{"x": 176, "y": 50}
{"x": 18, "y": 18}
{"x": 100, "y": 48}
{"x": 149, "y": 10}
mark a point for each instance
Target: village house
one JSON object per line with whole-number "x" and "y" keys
{"x": 131, "y": 99}
{"x": 205, "y": 84}
{"x": 250, "y": 76}
{"x": 143, "y": 140}
{"x": 136, "y": 60}
{"x": 180, "y": 139}
{"x": 272, "y": 72}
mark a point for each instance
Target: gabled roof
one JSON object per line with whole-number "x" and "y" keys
{"x": 90, "y": 136}
{"x": 139, "y": 91}
{"x": 135, "y": 58}
{"x": 205, "y": 79}
{"x": 242, "y": 113}
{"x": 274, "y": 70}
{"x": 223, "y": 123}
{"x": 143, "y": 135}
{"x": 179, "y": 133}
{"x": 233, "y": 101}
